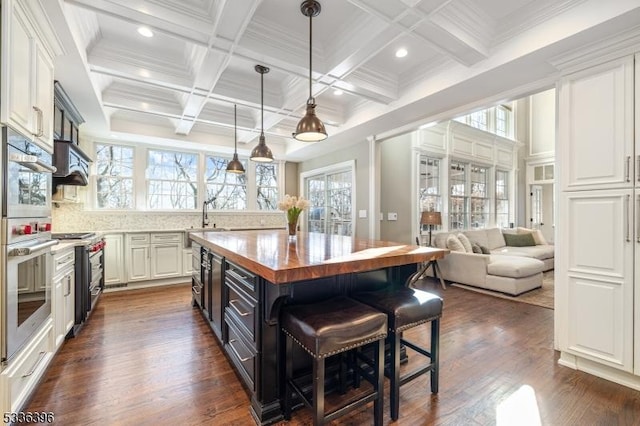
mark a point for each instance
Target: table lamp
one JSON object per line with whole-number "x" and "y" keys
{"x": 430, "y": 218}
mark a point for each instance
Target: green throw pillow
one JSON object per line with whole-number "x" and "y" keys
{"x": 519, "y": 240}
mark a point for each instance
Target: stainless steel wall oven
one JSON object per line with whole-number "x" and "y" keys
{"x": 25, "y": 249}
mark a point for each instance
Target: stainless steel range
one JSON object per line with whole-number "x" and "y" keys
{"x": 25, "y": 281}
{"x": 89, "y": 275}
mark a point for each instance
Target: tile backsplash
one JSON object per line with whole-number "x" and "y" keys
{"x": 73, "y": 218}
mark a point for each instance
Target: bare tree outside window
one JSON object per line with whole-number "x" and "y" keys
{"x": 114, "y": 176}
{"x": 458, "y": 198}
{"x": 267, "y": 186}
{"x": 172, "y": 180}
{"x": 502, "y": 198}
{"x": 230, "y": 189}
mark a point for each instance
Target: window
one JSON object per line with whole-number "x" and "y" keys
{"x": 479, "y": 197}
{"x": 172, "y": 180}
{"x": 497, "y": 120}
{"x": 458, "y": 209}
{"x": 267, "y": 186}
{"x": 429, "y": 197}
{"x": 502, "y": 199}
{"x": 114, "y": 176}
{"x": 230, "y": 189}
{"x": 330, "y": 196}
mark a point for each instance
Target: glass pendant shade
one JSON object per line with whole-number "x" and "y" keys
{"x": 235, "y": 166}
{"x": 261, "y": 153}
{"x": 310, "y": 128}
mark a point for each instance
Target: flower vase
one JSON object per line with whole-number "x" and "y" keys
{"x": 292, "y": 226}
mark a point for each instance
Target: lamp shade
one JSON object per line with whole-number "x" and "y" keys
{"x": 235, "y": 166}
{"x": 261, "y": 153}
{"x": 430, "y": 218}
{"x": 310, "y": 128}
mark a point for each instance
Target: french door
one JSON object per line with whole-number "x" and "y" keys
{"x": 330, "y": 195}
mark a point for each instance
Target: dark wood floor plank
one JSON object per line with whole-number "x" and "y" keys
{"x": 146, "y": 357}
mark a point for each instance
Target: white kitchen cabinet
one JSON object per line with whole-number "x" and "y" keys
{"x": 599, "y": 221}
{"x": 27, "y": 73}
{"x": 137, "y": 261}
{"x": 166, "y": 255}
{"x": 63, "y": 303}
{"x": 187, "y": 263}
{"x": 114, "y": 271}
{"x": 596, "y": 127}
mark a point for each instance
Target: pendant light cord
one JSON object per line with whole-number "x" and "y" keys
{"x": 310, "y": 53}
{"x": 235, "y": 128}
{"x": 262, "y": 101}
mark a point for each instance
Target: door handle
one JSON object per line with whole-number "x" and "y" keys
{"x": 628, "y": 168}
{"x": 628, "y": 219}
{"x": 39, "y": 119}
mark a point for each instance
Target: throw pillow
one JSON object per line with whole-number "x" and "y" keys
{"x": 454, "y": 244}
{"x": 465, "y": 242}
{"x": 519, "y": 240}
{"x": 484, "y": 250}
{"x": 537, "y": 235}
{"x": 475, "y": 247}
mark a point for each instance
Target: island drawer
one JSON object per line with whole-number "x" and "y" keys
{"x": 244, "y": 279}
{"x": 243, "y": 308}
{"x": 241, "y": 355}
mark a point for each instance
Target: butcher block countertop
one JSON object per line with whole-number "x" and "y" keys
{"x": 272, "y": 255}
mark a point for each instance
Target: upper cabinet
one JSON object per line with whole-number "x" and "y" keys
{"x": 26, "y": 74}
{"x": 596, "y": 133}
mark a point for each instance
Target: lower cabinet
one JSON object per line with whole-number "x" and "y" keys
{"x": 63, "y": 296}
{"x": 166, "y": 255}
{"x": 114, "y": 271}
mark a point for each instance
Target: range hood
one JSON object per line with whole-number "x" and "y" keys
{"x": 72, "y": 164}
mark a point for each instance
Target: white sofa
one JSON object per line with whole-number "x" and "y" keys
{"x": 510, "y": 270}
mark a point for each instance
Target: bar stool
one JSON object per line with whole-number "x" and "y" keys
{"x": 407, "y": 308}
{"x": 328, "y": 328}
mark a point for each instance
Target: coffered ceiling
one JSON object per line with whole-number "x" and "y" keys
{"x": 181, "y": 84}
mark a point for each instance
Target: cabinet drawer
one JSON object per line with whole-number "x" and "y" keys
{"x": 63, "y": 260}
{"x": 168, "y": 237}
{"x": 244, "y": 279}
{"x": 29, "y": 366}
{"x": 244, "y": 310}
{"x": 137, "y": 239}
{"x": 241, "y": 355}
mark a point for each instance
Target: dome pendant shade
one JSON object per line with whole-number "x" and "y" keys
{"x": 310, "y": 128}
{"x": 261, "y": 153}
{"x": 235, "y": 166}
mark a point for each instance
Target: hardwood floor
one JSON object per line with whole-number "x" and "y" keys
{"x": 146, "y": 357}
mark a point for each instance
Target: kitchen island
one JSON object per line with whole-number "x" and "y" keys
{"x": 247, "y": 276}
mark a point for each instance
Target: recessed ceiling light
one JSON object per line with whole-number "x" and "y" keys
{"x": 401, "y": 53}
{"x": 338, "y": 92}
{"x": 145, "y": 32}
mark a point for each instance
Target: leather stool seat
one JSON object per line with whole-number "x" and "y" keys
{"x": 407, "y": 308}
{"x": 328, "y": 328}
{"x": 333, "y": 326}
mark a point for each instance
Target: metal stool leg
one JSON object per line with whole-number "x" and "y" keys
{"x": 394, "y": 385}
{"x": 378, "y": 404}
{"x": 288, "y": 376}
{"x": 318, "y": 391}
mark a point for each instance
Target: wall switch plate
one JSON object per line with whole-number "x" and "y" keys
{"x": 392, "y": 216}
{"x": 362, "y": 214}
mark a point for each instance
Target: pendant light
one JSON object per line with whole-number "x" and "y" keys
{"x": 235, "y": 166}
{"x": 261, "y": 153}
{"x": 310, "y": 128}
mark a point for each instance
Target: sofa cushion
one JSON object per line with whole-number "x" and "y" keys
{"x": 537, "y": 235}
{"x": 495, "y": 238}
{"x": 514, "y": 266}
{"x": 535, "y": 252}
{"x": 479, "y": 236}
{"x": 440, "y": 240}
{"x": 519, "y": 240}
{"x": 465, "y": 242}
{"x": 454, "y": 244}
{"x": 475, "y": 247}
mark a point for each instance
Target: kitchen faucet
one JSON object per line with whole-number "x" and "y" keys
{"x": 205, "y": 217}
